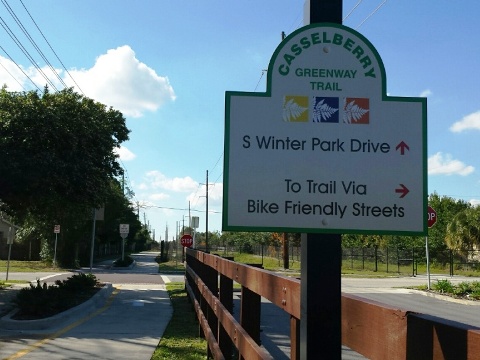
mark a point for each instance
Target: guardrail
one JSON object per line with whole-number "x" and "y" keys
{"x": 370, "y": 328}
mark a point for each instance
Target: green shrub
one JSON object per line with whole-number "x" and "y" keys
{"x": 444, "y": 286}
{"x": 78, "y": 282}
{"x": 127, "y": 261}
{"x": 463, "y": 289}
{"x": 42, "y": 300}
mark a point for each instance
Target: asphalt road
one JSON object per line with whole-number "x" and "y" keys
{"x": 393, "y": 292}
{"x": 129, "y": 326}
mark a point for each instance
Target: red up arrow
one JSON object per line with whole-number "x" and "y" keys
{"x": 403, "y": 190}
{"x": 402, "y": 146}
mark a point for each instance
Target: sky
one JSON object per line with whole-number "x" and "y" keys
{"x": 166, "y": 65}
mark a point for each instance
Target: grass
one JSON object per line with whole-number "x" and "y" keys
{"x": 269, "y": 263}
{"x": 171, "y": 266}
{"x": 180, "y": 340}
{"x": 26, "y": 266}
{"x": 5, "y": 284}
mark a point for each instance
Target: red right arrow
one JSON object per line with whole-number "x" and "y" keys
{"x": 403, "y": 190}
{"x": 402, "y": 146}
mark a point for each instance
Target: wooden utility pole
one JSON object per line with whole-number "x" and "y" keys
{"x": 320, "y": 329}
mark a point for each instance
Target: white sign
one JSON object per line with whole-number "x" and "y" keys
{"x": 56, "y": 229}
{"x": 195, "y": 222}
{"x": 11, "y": 235}
{"x": 325, "y": 149}
{"x": 124, "y": 229}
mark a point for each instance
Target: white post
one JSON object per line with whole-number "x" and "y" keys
{"x": 10, "y": 242}
{"x": 55, "y": 251}
{"x": 93, "y": 240}
{"x": 428, "y": 262}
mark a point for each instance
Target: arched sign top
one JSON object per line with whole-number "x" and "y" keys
{"x": 326, "y": 54}
{"x": 324, "y": 149}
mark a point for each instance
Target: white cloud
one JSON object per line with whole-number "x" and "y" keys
{"x": 120, "y": 80}
{"x": 142, "y": 186}
{"x": 471, "y": 121}
{"x": 19, "y": 78}
{"x": 426, "y": 93}
{"x": 124, "y": 154}
{"x": 474, "y": 202}
{"x": 215, "y": 195}
{"x": 439, "y": 164}
{"x": 158, "y": 196}
{"x": 157, "y": 180}
{"x": 117, "y": 79}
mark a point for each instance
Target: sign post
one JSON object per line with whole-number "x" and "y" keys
{"x": 124, "y": 230}
{"x": 431, "y": 220}
{"x": 194, "y": 224}
{"x": 56, "y": 230}
{"x": 10, "y": 237}
{"x": 352, "y": 159}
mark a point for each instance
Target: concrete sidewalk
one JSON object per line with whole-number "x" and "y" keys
{"x": 128, "y": 326}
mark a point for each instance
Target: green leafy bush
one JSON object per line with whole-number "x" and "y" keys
{"x": 444, "y": 286}
{"x": 42, "y": 300}
{"x": 463, "y": 289}
{"x": 78, "y": 282}
{"x": 127, "y": 261}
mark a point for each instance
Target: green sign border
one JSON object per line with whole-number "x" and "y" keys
{"x": 385, "y": 97}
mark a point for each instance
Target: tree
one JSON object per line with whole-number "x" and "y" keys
{"x": 463, "y": 231}
{"x": 59, "y": 147}
{"x": 58, "y": 163}
{"x": 447, "y": 208}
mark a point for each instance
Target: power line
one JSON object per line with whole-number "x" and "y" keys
{"x": 182, "y": 209}
{"x": 261, "y": 76}
{"x": 369, "y": 16}
{"x": 51, "y": 48}
{"x": 34, "y": 44}
{"x": 13, "y": 77}
{"x": 351, "y": 11}
{"x": 20, "y": 68}
{"x": 214, "y": 166}
{"x": 25, "y": 51}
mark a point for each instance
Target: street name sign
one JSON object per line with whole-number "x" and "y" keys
{"x": 325, "y": 149}
{"x": 124, "y": 230}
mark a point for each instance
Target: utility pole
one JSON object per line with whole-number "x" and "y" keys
{"x": 320, "y": 329}
{"x": 206, "y": 219}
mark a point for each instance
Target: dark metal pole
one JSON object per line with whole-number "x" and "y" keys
{"x": 317, "y": 11}
{"x": 206, "y": 220}
{"x": 321, "y": 335}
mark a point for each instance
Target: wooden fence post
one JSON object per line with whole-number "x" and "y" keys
{"x": 226, "y": 298}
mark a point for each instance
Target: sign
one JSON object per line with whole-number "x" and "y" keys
{"x": 124, "y": 229}
{"x": 195, "y": 222}
{"x": 11, "y": 235}
{"x": 432, "y": 216}
{"x": 325, "y": 149}
{"x": 56, "y": 229}
{"x": 186, "y": 240}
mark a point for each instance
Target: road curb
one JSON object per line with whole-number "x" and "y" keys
{"x": 445, "y": 297}
{"x": 84, "y": 309}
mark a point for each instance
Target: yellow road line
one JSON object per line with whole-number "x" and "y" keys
{"x": 59, "y": 333}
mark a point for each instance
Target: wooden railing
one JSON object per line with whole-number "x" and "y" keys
{"x": 370, "y": 328}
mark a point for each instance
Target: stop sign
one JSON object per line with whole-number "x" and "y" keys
{"x": 186, "y": 240}
{"x": 432, "y": 217}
